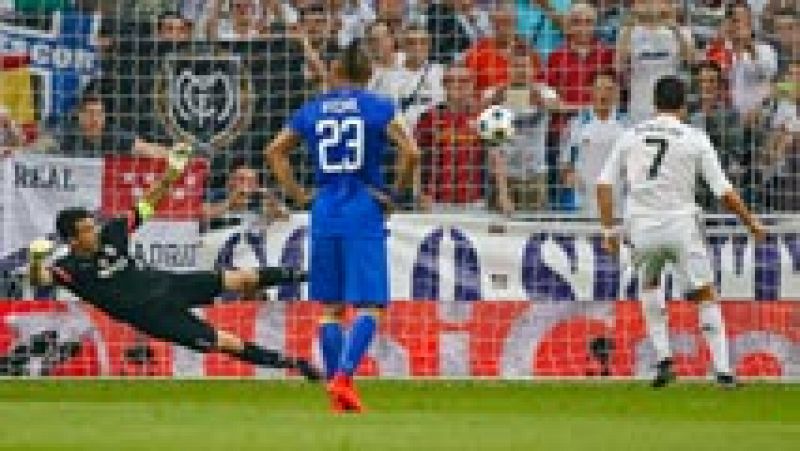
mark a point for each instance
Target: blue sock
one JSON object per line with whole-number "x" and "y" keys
{"x": 331, "y": 339}
{"x": 358, "y": 341}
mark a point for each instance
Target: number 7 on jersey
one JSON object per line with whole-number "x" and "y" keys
{"x": 661, "y": 148}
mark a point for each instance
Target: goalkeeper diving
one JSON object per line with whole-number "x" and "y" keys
{"x": 98, "y": 269}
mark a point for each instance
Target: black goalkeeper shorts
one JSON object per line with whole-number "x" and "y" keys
{"x": 168, "y": 316}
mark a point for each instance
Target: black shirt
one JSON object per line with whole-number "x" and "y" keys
{"x": 111, "y": 279}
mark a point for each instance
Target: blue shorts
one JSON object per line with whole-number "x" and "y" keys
{"x": 349, "y": 270}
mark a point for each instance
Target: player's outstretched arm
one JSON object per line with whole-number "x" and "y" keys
{"x": 408, "y": 153}
{"x": 177, "y": 160}
{"x": 733, "y": 202}
{"x": 712, "y": 173}
{"x": 277, "y": 155}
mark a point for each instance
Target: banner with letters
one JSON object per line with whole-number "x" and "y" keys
{"x": 36, "y": 187}
{"x": 468, "y": 258}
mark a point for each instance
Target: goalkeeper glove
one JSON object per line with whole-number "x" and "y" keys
{"x": 179, "y": 156}
{"x": 39, "y": 249}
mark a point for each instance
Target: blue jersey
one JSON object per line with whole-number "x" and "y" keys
{"x": 345, "y": 131}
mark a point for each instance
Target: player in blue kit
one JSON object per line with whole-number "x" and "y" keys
{"x": 347, "y": 131}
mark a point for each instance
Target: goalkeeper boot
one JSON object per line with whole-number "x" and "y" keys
{"x": 309, "y": 371}
{"x": 727, "y": 381}
{"x": 664, "y": 374}
{"x": 342, "y": 391}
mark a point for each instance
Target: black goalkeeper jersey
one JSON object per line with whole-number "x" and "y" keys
{"x": 111, "y": 279}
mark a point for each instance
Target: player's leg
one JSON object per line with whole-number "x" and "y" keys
{"x": 366, "y": 287}
{"x": 252, "y": 353}
{"x": 655, "y": 313}
{"x": 695, "y": 266}
{"x": 712, "y": 326}
{"x": 250, "y": 280}
{"x": 326, "y": 287}
{"x": 331, "y": 337}
{"x": 181, "y": 327}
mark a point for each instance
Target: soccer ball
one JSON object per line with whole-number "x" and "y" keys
{"x": 496, "y": 125}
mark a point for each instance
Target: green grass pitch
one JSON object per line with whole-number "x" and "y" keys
{"x": 270, "y": 415}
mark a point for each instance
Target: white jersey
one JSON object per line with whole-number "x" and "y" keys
{"x": 661, "y": 159}
{"x": 655, "y": 53}
{"x": 588, "y": 145}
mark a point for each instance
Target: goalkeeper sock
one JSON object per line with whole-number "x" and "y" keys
{"x": 268, "y": 277}
{"x": 252, "y": 353}
{"x": 714, "y": 332}
{"x": 331, "y": 339}
{"x": 655, "y": 315}
{"x": 358, "y": 341}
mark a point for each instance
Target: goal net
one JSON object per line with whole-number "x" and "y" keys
{"x": 496, "y": 267}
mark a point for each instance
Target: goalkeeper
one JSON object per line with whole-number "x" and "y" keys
{"x": 99, "y": 270}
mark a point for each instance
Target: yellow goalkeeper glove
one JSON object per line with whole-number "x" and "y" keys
{"x": 39, "y": 249}
{"x": 179, "y": 156}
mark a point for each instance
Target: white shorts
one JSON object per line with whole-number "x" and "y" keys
{"x": 678, "y": 240}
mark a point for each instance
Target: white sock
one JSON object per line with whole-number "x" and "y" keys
{"x": 655, "y": 315}
{"x": 714, "y": 332}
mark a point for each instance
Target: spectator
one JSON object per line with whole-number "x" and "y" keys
{"x": 590, "y": 137}
{"x": 572, "y": 68}
{"x": 244, "y": 198}
{"x": 383, "y": 49}
{"x": 525, "y": 152}
{"x": 452, "y": 28}
{"x": 409, "y": 78}
{"x": 92, "y": 136}
{"x": 784, "y": 118}
{"x": 11, "y": 135}
{"x": 735, "y": 142}
{"x": 317, "y": 24}
{"x": 422, "y": 80}
{"x": 773, "y": 8}
{"x": 786, "y": 38}
{"x": 541, "y": 21}
{"x": 706, "y": 17}
{"x": 788, "y": 90}
{"x": 490, "y": 57}
{"x": 393, "y": 14}
{"x": 783, "y": 185}
{"x": 174, "y": 28}
{"x": 316, "y": 34}
{"x": 355, "y": 16}
{"x": 750, "y": 65}
{"x": 610, "y": 14}
{"x": 248, "y": 19}
{"x": 454, "y": 159}
{"x": 650, "y": 48}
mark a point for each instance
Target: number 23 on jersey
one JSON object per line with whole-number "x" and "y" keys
{"x": 341, "y": 144}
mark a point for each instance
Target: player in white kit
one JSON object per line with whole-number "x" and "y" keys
{"x": 661, "y": 159}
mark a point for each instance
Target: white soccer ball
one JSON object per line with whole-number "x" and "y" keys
{"x": 496, "y": 125}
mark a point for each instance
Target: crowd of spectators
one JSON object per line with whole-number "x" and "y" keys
{"x": 575, "y": 73}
